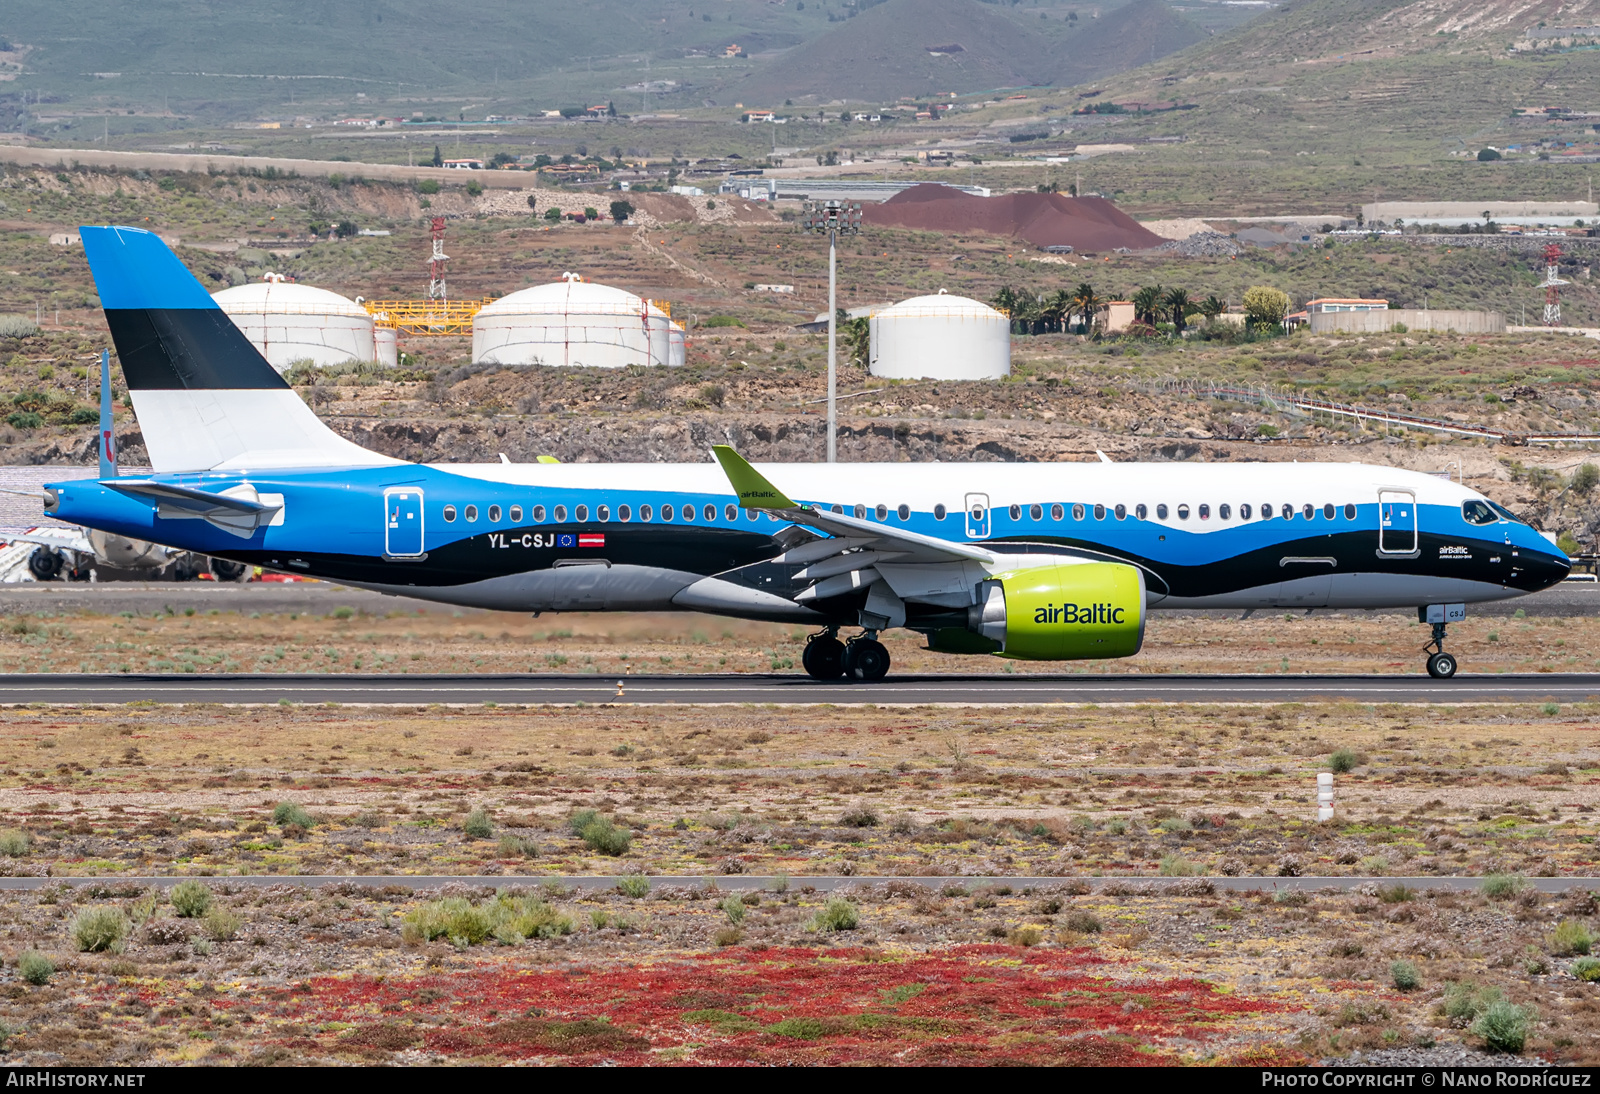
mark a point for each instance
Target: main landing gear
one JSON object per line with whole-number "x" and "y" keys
{"x": 863, "y": 658}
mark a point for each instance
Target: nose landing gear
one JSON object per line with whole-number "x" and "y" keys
{"x": 1441, "y": 665}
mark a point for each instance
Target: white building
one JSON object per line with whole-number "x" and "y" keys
{"x": 289, "y": 322}
{"x": 940, "y": 337}
{"x": 575, "y": 322}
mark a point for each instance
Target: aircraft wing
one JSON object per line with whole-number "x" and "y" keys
{"x": 63, "y": 539}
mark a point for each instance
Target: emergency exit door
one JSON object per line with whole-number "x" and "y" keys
{"x": 402, "y": 531}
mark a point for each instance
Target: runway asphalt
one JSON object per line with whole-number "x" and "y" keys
{"x": 998, "y": 689}
{"x": 745, "y": 882}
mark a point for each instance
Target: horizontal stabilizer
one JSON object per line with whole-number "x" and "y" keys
{"x": 238, "y": 511}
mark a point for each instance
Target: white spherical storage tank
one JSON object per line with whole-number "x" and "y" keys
{"x": 575, "y": 322}
{"x": 940, "y": 337}
{"x": 289, "y": 322}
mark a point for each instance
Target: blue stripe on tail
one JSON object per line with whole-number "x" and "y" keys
{"x": 133, "y": 268}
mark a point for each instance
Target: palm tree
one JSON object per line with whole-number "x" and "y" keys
{"x": 1085, "y": 304}
{"x": 1057, "y": 310}
{"x": 1211, "y": 307}
{"x": 1146, "y": 303}
{"x": 1178, "y": 306}
{"x": 1026, "y": 315}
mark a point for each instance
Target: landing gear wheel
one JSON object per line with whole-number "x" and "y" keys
{"x": 866, "y": 660}
{"x": 45, "y": 563}
{"x": 823, "y": 658}
{"x": 1441, "y": 666}
{"x": 223, "y": 570}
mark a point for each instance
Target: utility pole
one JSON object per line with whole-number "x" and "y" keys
{"x": 832, "y": 217}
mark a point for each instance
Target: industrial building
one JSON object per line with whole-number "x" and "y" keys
{"x": 940, "y": 337}
{"x": 576, "y": 322}
{"x": 288, "y": 322}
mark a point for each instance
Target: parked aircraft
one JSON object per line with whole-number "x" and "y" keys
{"x": 1035, "y": 561}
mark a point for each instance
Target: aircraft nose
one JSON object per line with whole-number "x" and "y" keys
{"x": 1542, "y": 569}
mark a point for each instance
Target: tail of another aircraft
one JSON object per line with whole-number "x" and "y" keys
{"x": 205, "y": 398}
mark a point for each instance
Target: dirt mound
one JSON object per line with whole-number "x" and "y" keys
{"x": 1043, "y": 220}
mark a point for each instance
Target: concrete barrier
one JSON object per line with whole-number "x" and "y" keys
{"x": 1375, "y": 322}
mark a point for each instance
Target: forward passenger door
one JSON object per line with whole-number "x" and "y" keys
{"x": 1397, "y": 524}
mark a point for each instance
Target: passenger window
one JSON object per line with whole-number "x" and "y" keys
{"x": 1077, "y": 512}
{"x": 1266, "y": 512}
{"x": 1205, "y": 512}
{"x": 1327, "y": 511}
{"x": 538, "y": 514}
{"x": 1349, "y": 511}
{"x": 1056, "y": 512}
{"x": 1035, "y": 512}
{"x": 1161, "y": 512}
{"x": 449, "y": 513}
{"x": 882, "y": 511}
{"x": 938, "y": 512}
{"x": 624, "y": 514}
{"x": 645, "y": 512}
{"x": 860, "y": 511}
{"x": 1121, "y": 512}
{"x": 494, "y": 514}
{"x": 666, "y": 512}
{"x": 1474, "y": 512}
{"x": 581, "y": 512}
{"x": 561, "y": 513}
{"x": 688, "y": 512}
{"x": 904, "y": 512}
{"x": 1224, "y": 512}
{"x": 752, "y": 514}
{"x": 710, "y": 512}
{"x": 730, "y": 513}
{"x": 1288, "y": 511}
{"x": 1140, "y": 511}
{"x": 516, "y": 514}
{"x": 1099, "y": 512}
{"x": 1183, "y": 512}
{"x": 1244, "y": 511}
{"x": 1016, "y": 512}
{"x": 471, "y": 512}
{"x": 602, "y": 512}
{"x": 1308, "y": 511}
{"x": 836, "y": 509}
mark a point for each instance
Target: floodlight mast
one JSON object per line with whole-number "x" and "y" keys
{"x": 832, "y": 217}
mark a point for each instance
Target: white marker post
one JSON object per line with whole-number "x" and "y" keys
{"x": 1325, "y": 796}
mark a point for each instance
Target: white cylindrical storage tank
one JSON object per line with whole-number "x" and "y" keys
{"x": 575, "y": 322}
{"x": 289, "y": 322}
{"x": 386, "y": 346}
{"x": 940, "y": 337}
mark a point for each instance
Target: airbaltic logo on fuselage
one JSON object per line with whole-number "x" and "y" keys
{"x": 1086, "y": 614}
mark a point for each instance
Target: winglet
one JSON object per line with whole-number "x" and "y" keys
{"x": 754, "y": 491}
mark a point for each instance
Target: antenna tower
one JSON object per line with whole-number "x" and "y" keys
{"x": 1551, "y": 285}
{"x": 436, "y": 289}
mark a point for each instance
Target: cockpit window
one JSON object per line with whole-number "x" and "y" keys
{"x": 1477, "y": 511}
{"x": 1506, "y": 514}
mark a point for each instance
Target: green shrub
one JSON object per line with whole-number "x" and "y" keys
{"x": 287, "y": 813}
{"x": 601, "y": 833}
{"x": 1466, "y": 1001}
{"x": 1405, "y": 975}
{"x": 518, "y": 847}
{"x": 734, "y": 909}
{"x": 25, "y": 419}
{"x": 15, "y": 843}
{"x": 1177, "y": 866}
{"x": 220, "y": 924}
{"x": 99, "y": 928}
{"x": 634, "y": 885}
{"x": 1396, "y": 894}
{"x": 190, "y": 899}
{"x": 1586, "y": 968}
{"x": 1082, "y": 922}
{"x": 477, "y": 825}
{"x": 427, "y": 186}
{"x": 1504, "y": 1026}
{"x": 859, "y": 818}
{"x": 35, "y": 967}
{"x": 1501, "y": 886}
{"x": 17, "y": 326}
{"x": 721, "y": 321}
{"x": 1343, "y": 760}
{"x": 1174, "y": 824}
{"x": 1569, "y": 938}
{"x": 507, "y": 919}
{"x": 837, "y": 915}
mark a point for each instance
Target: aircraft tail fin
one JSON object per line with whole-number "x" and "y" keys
{"x": 205, "y": 397}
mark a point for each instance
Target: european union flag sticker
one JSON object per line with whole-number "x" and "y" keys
{"x": 566, "y": 540}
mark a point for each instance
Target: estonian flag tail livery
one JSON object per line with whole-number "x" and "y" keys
{"x": 205, "y": 397}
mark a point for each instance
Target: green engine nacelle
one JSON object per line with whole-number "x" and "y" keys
{"x": 1064, "y": 612}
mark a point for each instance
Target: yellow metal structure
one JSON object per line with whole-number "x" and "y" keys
{"x": 425, "y": 318}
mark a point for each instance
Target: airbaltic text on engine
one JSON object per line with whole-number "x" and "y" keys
{"x": 1072, "y": 613}
{"x": 1063, "y": 611}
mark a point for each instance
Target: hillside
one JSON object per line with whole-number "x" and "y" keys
{"x": 904, "y": 47}
{"x": 1142, "y": 32}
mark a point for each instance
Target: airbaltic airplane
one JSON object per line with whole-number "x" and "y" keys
{"x": 1037, "y": 561}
